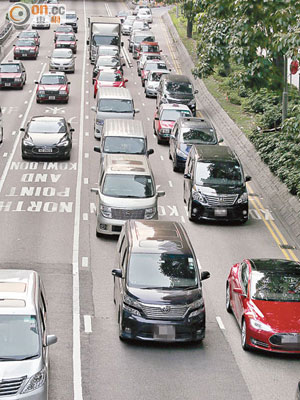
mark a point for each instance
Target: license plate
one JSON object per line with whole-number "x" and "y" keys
{"x": 290, "y": 339}
{"x": 51, "y": 97}
{"x": 164, "y": 332}
{"x": 220, "y": 212}
{"x": 7, "y": 84}
{"x": 45, "y": 150}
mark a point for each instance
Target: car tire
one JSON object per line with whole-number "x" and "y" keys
{"x": 228, "y": 305}
{"x": 170, "y": 157}
{"x": 143, "y": 82}
{"x": 159, "y": 141}
{"x": 175, "y": 166}
{"x": 244, "y": 344}
{"x": 190, "y": 214}
{"x": 121, "y": 337}
{"x": 24, "y": 157}
{"x": 37, "y": 101}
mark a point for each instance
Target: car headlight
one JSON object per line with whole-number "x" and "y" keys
{"x": 27, "y": 142}
{"x": 131, "y": 310}
{"x": 41, "y": 92}
{"x": 106, "y": 211}
{"x": 243, "y": 198}
{"x": 131, "y": 302}
{"x": 64, "y": 142}
{"x": 18, "y": 80}
{"x": 35, "y": 382}
{"x": 63, "y": 92}
{"x": 99, "y": 121}
{"x": 260, "y": 325}
{"x": 165, "y": 130}
{"x": 197, "y": 306}
{"x": 180, "y": 153}
{"x": 150, "y": 212}
{"x": 197, "y": 196}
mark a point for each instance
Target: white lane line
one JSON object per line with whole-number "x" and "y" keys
{"x": 86, "y": 117}
{"x": 148, "y": 119}
{"x": 86, "y": 133}
{"x": 87, "y": 92}
{"x": 93, "y": 208}
{"x": 162, "y": 158}
{"x": 5, "y": 155}
{"x": 135, "y": 83}
{"x": 77, "y": 378}
{"x": 139, "y": 93}
{"x": 86, "y": 155}
{"x": 143, "y": 104}
{"x": 25, "y": 102}
{"x": 170, "y": 183}
{"x": 30, "y": 91}
{"x": 86, "y": 81}
{"x": 182, "y": 219}
{"x": 87, "y": 323}
{"x": 220, "y": 323}
{"x": 86, "y": 181}
{"x": 87, "y": 103}
{"x": 16, "y": 142}
{"x": 13, "y": 133}
{"x": 85, "y": 216}
{"x": 85, "y": 262}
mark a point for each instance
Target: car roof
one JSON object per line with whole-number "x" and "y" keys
{"x": 178, "y": 78}
{"x": 11, "y": 62}
{"x": 159, "y": 236}
{"x": 123, "y": 127}
{"x": 141, "y": 33}
{"x": 43, "y": 118}
{"x": 114, "y": 92}
{"x": 279, "y": 265}
{"x": 105, "y": 46}
{"x": 127, "y": 164}
{"x": 170, "y": 106}
{"x": 59, "y": 73}
{"x": 213, "y": 153}
{"x": 18, "y": 291}
{"x": 193, "y": 122}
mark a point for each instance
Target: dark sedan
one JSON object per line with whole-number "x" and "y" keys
{"x": 47, "y": 137}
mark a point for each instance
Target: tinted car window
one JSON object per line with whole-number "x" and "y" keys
{"x": 198, "y": 136}
{"x": 115, "y": 105}
{"x": 110, "y": 77}
{"x": 218, "y": 173}
{"x": 179, "y": 87}
{"x": 128, "y": 145}
{"x": 53, "y": 80}
{"x": 66, "y": 38}
{"x": 173, "y": 115}
{"x": 107, "y": 61}
{"x": 128, "y": 186}
{"x": 47, "y": 127}
{"x": 105, "y": 40}
{"x": 166, "y": 271}
{"x": 151, "y": 66}
{"x": 274, "y": 286}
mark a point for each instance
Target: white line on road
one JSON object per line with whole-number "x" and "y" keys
{"x": 87, "y": 103}
{"x": 86, "y": 181}
{"x": 87, "y": 134}
{"x": 30, "y": 91}
{"x": 87, "y": 92}
{"x": 198, "y": 262}
{"x": 85, "y": 216}
{"x": 182, "y": 219}
{"x": 220, "y": 323}
{"x": 93, "y": 208}
{"x": 21, "y": 115}
{"x": 5, "y": 155}
{"x": 148, "y": 118}
{"x": 13, "y": 133}
{"x": 25, "y": 102}
{"x": 171, "y": 183}
{"x": 86, "y": 155}
{"x": 85, "y": 262}
{"x": 162, "y": 158}
{"x": 86, "y": 117}
{"x": 143, "y": 104}
{"x": 87, "y": 323}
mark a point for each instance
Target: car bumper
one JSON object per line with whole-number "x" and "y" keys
{"x": 140, "y": 328}
{"x": 164, "y": 136}
{"x": 65, "y": 68}
{"x": 51, "y": 97}
{"x": 56, "y": 153}
{"x": 11, "y": 85}
{"x": 233, "y": 213}
{"x": 151, "y": 92}
{"x": 25, "y": 55}
{"x": 39, "y": 394}
{"x": 109, "y": 226}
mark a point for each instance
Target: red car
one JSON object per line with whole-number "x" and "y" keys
{"x": 66, "y": 40}
{"x": 109, "y": 78}
{"x": 26, "y": 48}
{"x": 62, "y": 29}
{"x": 264, "y": 296}
{"x": 12, "y": 74}
{"x": 165, "y": 117}
{"x": 30, "y": 35}
{"x": 53, "y": 86}
{"x": 151, "y": 65}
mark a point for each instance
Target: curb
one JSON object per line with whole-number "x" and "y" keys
{"x": 284, "y": 204}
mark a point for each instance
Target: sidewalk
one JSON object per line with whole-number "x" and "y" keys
{"x": 285, "y": 205}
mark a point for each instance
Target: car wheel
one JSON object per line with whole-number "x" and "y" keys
{"x": 159, "y": 141}
{"x": 175, "y": 166}
{"x": 143, "y": 82}
{"x": 121, "y": 337}
{"x": 228, "y": 305}
{"x": 67, "y": 158}
{"x": 245, "y": 346}
{"x": 243, "y": 221}
{"x": 94, "y": 95}
{"x": 38, "y": 101}
{"x": 170, "y": 157}
{"x": 190, "y": 212}
{"x": 24, "y": 157}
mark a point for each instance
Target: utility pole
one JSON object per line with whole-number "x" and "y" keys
{"x": 285, "y": 90}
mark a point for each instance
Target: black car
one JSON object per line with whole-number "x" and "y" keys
{"x": 157, "y": 284}
{"x": 215, "y": 185}
{"x": 47, "y": 137}
{"x": 179, "y": 89}
{"x": 298, "y": 392}
{"x": 185, "y": 133}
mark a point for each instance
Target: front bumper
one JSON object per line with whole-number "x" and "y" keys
{"x": 237, "y": 212}
{"x": 164, "y": 136}
{"x": 60, "y": 152}
{"x": 186, "y": 330}
{"x": 40, "y": 26}
{"x": 25, "y": 55}
{"x": 39, "y": 394}
{"x": 11, "y": 84}
{"x": 52, "y": 97}
{"x": 65, "y": 68}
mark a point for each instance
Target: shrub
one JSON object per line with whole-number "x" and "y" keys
{"x": 234, "y": 98}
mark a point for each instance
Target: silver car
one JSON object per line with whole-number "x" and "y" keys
{"x": 62, "y": 60}
{"x": 152, "y": 82}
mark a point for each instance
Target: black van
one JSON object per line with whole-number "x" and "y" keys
{"x": 215, "y": 185}
{"x": 157, "y": 284}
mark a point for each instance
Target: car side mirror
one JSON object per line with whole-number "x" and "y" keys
{"x": 126, "y": 80}
{"x": 36, "y": 82}
{"x": 187, "y": 176}
{"x": 247, "y": 178}
{"x": 156, "y": 118}
{"x": 76, "y": 40}
{"x": 97, "y": 149}
{"x": 149, "y": 152}
{"x": 22, "y": 129}
{"x": 122, "y": 44}
{"x": 196, "y": 91}
{"x": 124, "y": 64}
{"x": 51, "y": 339}
{"x": 161, "y": 193}
{"x": 95, "y": 190}
{"x": 136, "y": 110}
{"x": 221, "y": 140}
{"x": 205, "y": 275}
{"x": 69, "y": 83}
{"x": 94, "y": 109}
{"x": 87, "y": 42}
{"x": 72, "y": 130}
{"x": 239, "y": 291}
{"x": 117, "y": 273}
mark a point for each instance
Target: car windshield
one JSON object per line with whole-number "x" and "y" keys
{"x": 126, "y": 145}
{"x": 19, "y": 337}
{"x": 71, "y": 16}
{"x": 275, "y": 286}
{"x": 53, "y": 80}
{"x": 115, "y": 105}
{"x": 128, "y": 22}
{"x": 107, "y": 61}
{"x": 64, "y": 29}
{"x": 28, "y": 35}
{"x": 139, "y": 39}
{"x": 110, "y": 77}
{"x": 128, "y": 186}
{"x": 180, "y": 87}
{"x": 150, "y": 66}
{"x": 105, "y": 40}
{"x": 62, "y": 54}
{"x": 10, "y": 68}
{"x": 164, "y": 271}
{"x": 173, "y": 115}
{"x": 218, "y": 173}
{"x": 66, "y": 38}
{"x": 47, "y": 127}
{"x": 149, "y": 48}
{"x": 108, "y": 52}
{"x": 25, "y": 43}
{"x": 198, "y": 135}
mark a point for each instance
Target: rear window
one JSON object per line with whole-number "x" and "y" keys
{"x": 115, "y": 105}
{"x": 124, "y": 145}
{"x": 199, "y": 135}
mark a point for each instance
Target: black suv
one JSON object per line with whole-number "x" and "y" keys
{"x": 215, "y": 185}
{"x": 176, "y": 89}
{"x": 186, "y": 132}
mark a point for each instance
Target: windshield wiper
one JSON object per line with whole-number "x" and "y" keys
{"x": 185, "y": 287}
{"x": 29, "y": 357}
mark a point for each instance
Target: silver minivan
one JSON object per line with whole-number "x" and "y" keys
{"x": 24, "y": 339}
{"x": 112, "y": 102}
{"x": 126, "y": 190}
{"x": 123, "y": 136}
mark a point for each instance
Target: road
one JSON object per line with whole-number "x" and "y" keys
{"x": 48, "y": 223}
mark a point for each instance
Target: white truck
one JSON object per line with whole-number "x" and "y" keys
{"x": 103, "y": 31}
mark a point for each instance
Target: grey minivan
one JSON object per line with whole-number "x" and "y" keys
{"x": 112, "y": 102}
{"x": 24, "y": 339}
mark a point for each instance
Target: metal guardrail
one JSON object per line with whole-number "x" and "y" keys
{"x": 5, "y": 31}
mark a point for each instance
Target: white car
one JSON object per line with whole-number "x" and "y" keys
{"x": 62, "y": 60}
{"x": 41, "y": 22}
{"x": 144, "y": 14}
{"x": 152, "y": 82}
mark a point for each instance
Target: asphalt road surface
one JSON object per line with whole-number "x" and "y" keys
{"x": 48, "y": 222}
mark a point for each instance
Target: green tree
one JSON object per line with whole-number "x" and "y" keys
{"x": 252, "y": 33}
{"x": 190, "y": 10}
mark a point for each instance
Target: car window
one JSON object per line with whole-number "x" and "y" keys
{"x": 124, "y": 145}
{"x": 198, "y": 135}
{"x": 10, "y": 68}
{"x": 128, "y": 186}
{"x": 244, "y": 277}
{"x": 173, "y": 115}
{"x": 47, "y": 127}
{"x": 53, "y": 80}
{"x": 25, "y": 43}
{"x": 115, "y": 105}
{"x": 219, "y": 173}
{"x": 179, "y": 87}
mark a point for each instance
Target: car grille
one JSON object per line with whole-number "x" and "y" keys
{"x": 221, "y": 200}
{"x": 120, "y": 213}
{"x": 8, "y": 80}
{"x": 10, "y": 387}
{"x": 51, "y": 91}
{"x": 63, "y": 45}
{"x": 164, "y": 312}
{"x": 50, "y": 150}
{"x": 286, "y": 341}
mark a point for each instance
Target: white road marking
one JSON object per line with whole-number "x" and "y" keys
{"x": 86, "y": 81}
{"x": 5, "y": 155}
{"x": 154, "y": 135}
{"x": 148, "y": 119}
{"x": 21, "y": 115}
{"x": 86, "y": 117}
{"x": 182, "y": 219}
{"x": 86, "y": 155}
{"x": 25, "y": 102}
{"x": 87, "y": 71}
{"x": 220, "y": 323}
{"x": 162, "y": 158}
{"x": 86, "y": 133}
{"x": 38, "y": 72}
{"x": 87, "y": 323}
{"x": 29, "y": 91}
{"x": 135, "y": 83}
{"x": 170, "y": 183}
{"x": 143, "y": 104}
{"x": 86, "y": 181}
{"x": 87, "y": 103}
{"x": 93, "y": 208}
{"x": 85, "y": 216}
{"x": 85, "y": 262}
{"x": 87, "y": 92}
{"x": 13, "y": 133}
